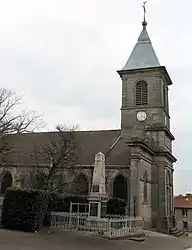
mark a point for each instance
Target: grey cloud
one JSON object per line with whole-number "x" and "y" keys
{"x": 62, "y": 55}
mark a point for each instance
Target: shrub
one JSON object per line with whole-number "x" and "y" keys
{"x": 116, "y": 206}
{"x": 61, "y": 203}
{"x": 23, "y": 209}
{"x": 56, "y": 203}
{"x": 75, "y": 199}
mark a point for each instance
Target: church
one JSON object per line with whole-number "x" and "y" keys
{"x": 139, "y": 160}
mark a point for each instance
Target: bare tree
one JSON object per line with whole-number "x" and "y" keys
{"x": 60, "y": 151}
{"x": 12, "y": 121}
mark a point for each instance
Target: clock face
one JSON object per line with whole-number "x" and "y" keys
{"x": 141, "y": 116}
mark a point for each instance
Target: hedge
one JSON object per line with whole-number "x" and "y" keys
{"x": 60, "y": 203}
{"x": 23, "y": 209}
{"x": 116, "y": 206}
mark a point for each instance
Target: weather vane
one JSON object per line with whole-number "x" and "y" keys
{"x": 144, "y": 8}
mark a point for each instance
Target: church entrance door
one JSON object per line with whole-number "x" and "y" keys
{"x": 120, "y": 189}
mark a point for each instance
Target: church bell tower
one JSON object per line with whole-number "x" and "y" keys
{"x": 145, "y": 125}
{"x": 145, "y": 85}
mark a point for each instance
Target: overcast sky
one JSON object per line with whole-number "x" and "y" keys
{"x": 62, "y": 56}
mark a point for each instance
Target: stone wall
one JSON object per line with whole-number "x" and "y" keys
{"x": 19, "y": 173}
{"x": 145, "y": 205}
{"x": 155, "y": 109}
{"x": 162, "y": 191}
{"x": 25, "y": 174}
{"x": 145, "y": 202}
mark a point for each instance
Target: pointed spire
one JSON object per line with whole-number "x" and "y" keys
{"x": 143, "y": 54}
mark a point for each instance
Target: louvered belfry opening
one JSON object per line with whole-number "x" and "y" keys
{"x": 141, "y": 93}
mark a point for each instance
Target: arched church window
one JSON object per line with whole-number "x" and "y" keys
{"x": 145, "y": 179}
{"x": 141, "y": 93}
{"x": 6, "y": 182}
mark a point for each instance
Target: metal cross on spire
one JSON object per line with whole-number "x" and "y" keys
{"x": 144, "y": 8}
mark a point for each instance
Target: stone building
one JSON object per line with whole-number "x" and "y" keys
{"x": 139, "y": 160}
{"x": 183, "y": 212}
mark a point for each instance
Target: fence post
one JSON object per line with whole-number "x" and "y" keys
{"x": 131, "y": 220}
{"x": 71, "y": 207}
{"x": 58, "y": 220}
{"x": 110, "y": 231}
{"x": 77, "y": 221}
{"x": 51, "y": 220}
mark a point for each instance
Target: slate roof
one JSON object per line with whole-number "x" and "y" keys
{"x": 183, "y": 201}
{"x": 89, "y": 143}
{"x": 143, "y": 54}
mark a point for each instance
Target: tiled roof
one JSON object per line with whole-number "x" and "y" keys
{"x": 89, "y": 143}
{"x": 143, "y": 54}
{"x": 183, "y": 201}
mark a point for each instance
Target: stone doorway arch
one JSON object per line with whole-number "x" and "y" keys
{"x": 120, "y": 187}
{"x": 121, "y": 191}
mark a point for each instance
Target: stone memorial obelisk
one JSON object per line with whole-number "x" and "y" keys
{"x": 98, "y": 197}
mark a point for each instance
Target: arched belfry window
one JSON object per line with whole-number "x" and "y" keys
{"x": 141, "y": 93}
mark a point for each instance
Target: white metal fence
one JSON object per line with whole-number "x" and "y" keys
{"x": 112, "y": 228}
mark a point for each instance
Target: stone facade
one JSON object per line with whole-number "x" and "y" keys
{"x": 150, "y": 139}
{"x": 138, "y": 156}
{"x": 183, "y": 219}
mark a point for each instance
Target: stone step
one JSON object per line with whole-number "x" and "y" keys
{"x": 138, "y": 239}
{"x": 172, "y": 229}
{"x": 177, "y": 233}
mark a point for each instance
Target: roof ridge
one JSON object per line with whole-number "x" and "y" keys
{"x": 114, "y": 144}
{"x": 47, "y": 132}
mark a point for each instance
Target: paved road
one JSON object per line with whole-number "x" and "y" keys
{"x": 11, "y": 240}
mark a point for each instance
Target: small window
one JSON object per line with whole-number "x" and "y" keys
{"x": 184, "y": 212}
{"x": 141, "y": 93}
{"x": 185, "y": 225}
